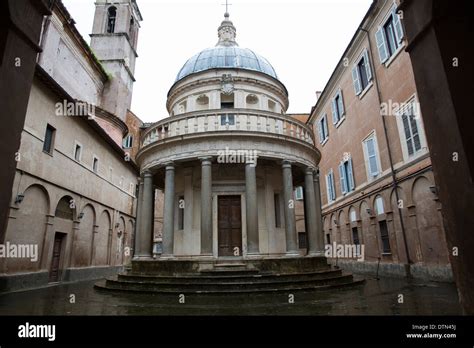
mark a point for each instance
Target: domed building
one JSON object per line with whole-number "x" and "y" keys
{"x": 227, "y": 159}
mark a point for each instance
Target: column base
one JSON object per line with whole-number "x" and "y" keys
{"x": 143, "y": 257}
{"x": 316, "y": 253}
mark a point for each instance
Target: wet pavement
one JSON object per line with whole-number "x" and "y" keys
{"x": 375, "y": 297}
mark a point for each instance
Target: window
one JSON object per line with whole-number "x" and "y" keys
{"x": 128, "y": 142}
{"x": 384, "y": 237}
{"x": 328, "y": 238}
{"x": 227, "y": 101}
{"x": 77, "y": 152}
{"x": 95, "y": 164}
{"x": 132, "y": 188}
{"x": 302, "y": 243}
{"x": 111, "y": 17}
{"x": 111, "y": 173}
{"x": 331, "y": 191}
{"x": 227, "y": 120}
{"x": 379, "y": 205}
{"x": 355, "y": 235}
{"x": 337, "y": 107}
{"x": 323, "y": 129}
{"x": 371, "y": 157}
{"x": 361, "y": 73}
{"x": 299, "y": 193}
{"x": 48, "y": 144}
{"x": 181, "y": 213}
{"x": 389, "y": 36}
{"x": 352, "y": 215}
{"x": 410, "y": 130}
{"x": 346, "y": 175}
{"x": 276, "y": 200}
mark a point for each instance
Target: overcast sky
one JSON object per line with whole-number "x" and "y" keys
{"x": 302, "y": 39}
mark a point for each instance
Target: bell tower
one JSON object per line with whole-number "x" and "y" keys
{"x": 114, "y": 42}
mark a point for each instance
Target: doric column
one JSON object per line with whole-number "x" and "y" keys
{"x": 251, "y": 207}
{"x": 145, "y": 224}
{"x": 168, "y": 211}
{"x": 206, "y": 206}
{"x": 289, "y": 207}
{"x": 138, "y": 219}
{"x": 310, "y": 211}
{"x": 319, "y": 215}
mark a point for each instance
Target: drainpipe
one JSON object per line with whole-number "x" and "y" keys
{"x": 392, "y": 170}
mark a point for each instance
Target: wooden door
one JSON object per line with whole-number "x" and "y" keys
{"x": 54, "y": 273}
{"x": 229, "y": 219}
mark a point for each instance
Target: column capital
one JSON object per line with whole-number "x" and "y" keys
{"x": 169, "y": 166}
{"x": 310, "y": 170}
{"x": 206, "y": 161}
{"x": 146, "y": 173}
{"x": 286, "y": 163}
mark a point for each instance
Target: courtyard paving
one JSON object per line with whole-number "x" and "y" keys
{"x": 375, "y": 297}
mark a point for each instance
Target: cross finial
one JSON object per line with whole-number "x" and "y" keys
{"x": 226, "y": 8}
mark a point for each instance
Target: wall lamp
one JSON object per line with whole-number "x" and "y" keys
{"x": 434, "y": 190}
{"x": 19, "y": 198}
{"x": 81, "y": 215}
{"x": 369, "y": 211}
{"x": 117, "y": 225}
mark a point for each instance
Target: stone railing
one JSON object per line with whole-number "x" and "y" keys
{"x": 232, "y": 120}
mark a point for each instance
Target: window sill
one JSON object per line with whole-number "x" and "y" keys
{"x": 324, "y": 141}
{"x": 394, "y": 55}
{"x": 364, "y": 92}
{"x": 48, "y": 153}
{"x": 340, "y": 121}
{"x": 386, "y": 254}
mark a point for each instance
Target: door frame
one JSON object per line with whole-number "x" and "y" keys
{"x": 215, "y": 232}
{"x": 62, "y": 257}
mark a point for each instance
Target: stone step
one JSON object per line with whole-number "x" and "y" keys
{"x": 225, "y": 285}
{"x": 210, "y": 277}
{"x": 120, "y": 286}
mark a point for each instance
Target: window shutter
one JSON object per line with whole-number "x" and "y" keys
{"x": 325, "y": 126}
{"x": 342, "y": 175}
{"x": 350, "y": 176}
{"x": 320, "y": 130}
{"x": 356, "y": 80}
{"x": 397, "y": 24}
{"x": 408, "y": 137}
{"x": 335, "y": 118}
{"x": 367, "y": 65}
{"x": 329, "y": 187}
{"x": 333, "y": 188}
{"x": 381, "y": 45}
{"x": 372, "y": 156}
{"x": 341, "y": 102}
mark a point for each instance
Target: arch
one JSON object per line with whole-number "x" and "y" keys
{"x": 202, "y": 100}
{"x": 370, "y": 237}
{"x": 352, "y": 214}
{"x": 101, "y": 239}
{"x": 66, "y": 208}
{"x": 82, "y": 244}
{"x": 342, "y": 218}
{"x": 29, "y": 228}
{"x": 428, "y": 223}
{"x": 111, "y": 19}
